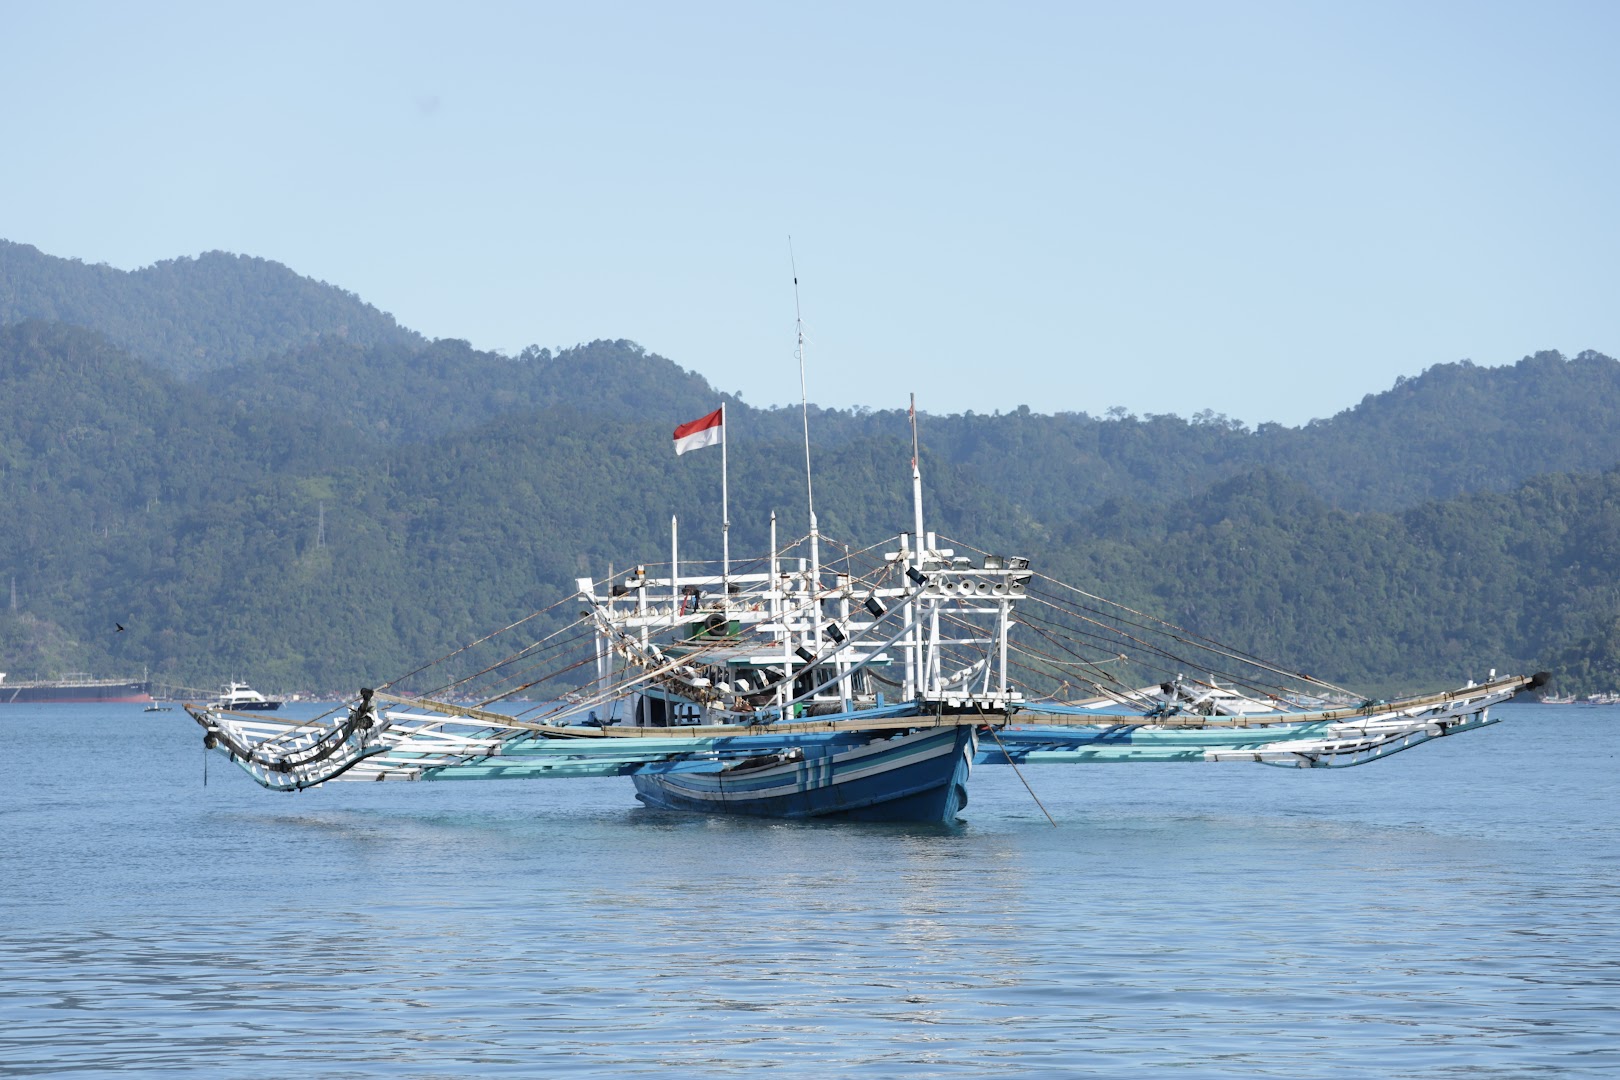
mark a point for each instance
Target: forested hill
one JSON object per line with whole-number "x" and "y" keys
{"x": 406, "y": 393}
{"x": 247, "y": 540}
{"x": 331, "y": 510}
{"x": 261, "y": 338}
{"x": 190, "y": 315}
{"x": 1520, "y": 580}
{"x": 1454, "y": 429}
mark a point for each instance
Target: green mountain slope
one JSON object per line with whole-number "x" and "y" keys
{"x": 223, "y": 549}
{"x": 402, "y": 393}
{"x": 320, "y": 511}
{"x": 190, "y": 315}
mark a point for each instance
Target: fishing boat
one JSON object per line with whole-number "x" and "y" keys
{"x": 824, "y": 680}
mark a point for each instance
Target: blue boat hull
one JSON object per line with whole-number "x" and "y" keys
{"x": 920, "y": 776}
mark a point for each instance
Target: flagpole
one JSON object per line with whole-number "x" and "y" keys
{"x": 725, "y": 520}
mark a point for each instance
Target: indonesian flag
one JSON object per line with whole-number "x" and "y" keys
{"x": 706, "y": 431}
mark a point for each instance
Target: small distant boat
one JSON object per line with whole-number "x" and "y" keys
{"x": 240, "y": 697}
{"x": 158, "y": 708}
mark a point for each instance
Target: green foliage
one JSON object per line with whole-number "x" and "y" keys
{"x": 189, "y": 315}
{"x": 314, "y": 512}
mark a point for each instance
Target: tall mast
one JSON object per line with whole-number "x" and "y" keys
{"x": 809, "y": 487}
{"x": 915, "y": 675}
{"x": 804, "y": 394}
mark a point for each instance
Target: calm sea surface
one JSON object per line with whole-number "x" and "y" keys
{"x": 1454, "y": 911}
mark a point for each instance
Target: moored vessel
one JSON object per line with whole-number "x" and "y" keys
{"x": 821, "y": 679}
{"x": 863, "y": 687}
{"x": 240, "y": 697}
{"x": 73, "y": 689}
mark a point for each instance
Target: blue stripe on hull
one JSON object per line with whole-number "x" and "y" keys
{"x": 920, "y": 777}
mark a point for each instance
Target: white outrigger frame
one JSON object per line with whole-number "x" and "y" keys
{"x": 800, "y": 664}
{"x": 764, "y": 671}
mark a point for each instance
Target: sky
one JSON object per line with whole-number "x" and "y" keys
{"x": 1268, "y": 210}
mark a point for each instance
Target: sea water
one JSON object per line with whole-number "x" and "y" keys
{"x": 1453, "y": 911}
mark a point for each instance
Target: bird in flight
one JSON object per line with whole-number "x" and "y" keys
{"x": 120, "y": 629}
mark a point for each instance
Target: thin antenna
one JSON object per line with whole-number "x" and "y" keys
{"x": 809, "y": 488}
{"x": 804, "y": 395}
{"x": 916, "y": 479}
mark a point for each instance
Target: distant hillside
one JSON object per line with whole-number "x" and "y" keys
{"x": 229, "y": 538}
{"x": 262, "y": 338}
{"x": 1458, "y": 428}
{"x": 1518, "y": 581}
{"x": 320, "y": 509}
{"x": 403, "y": 393}
{"x": 190, "y": 315}
{"x": 1454, "y": 429}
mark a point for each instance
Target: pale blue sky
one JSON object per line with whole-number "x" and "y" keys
{"x": 1267, "y": 209}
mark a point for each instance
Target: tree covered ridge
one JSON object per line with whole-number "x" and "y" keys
{"x": 244, "y": 539}
{"x": 190, "y": 315}
{"x": 333, "y": 510}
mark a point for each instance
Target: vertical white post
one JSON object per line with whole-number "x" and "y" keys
{"x": 778, "y": 602}
{"x": 917, "y": 662}
{"x": 913, "y": 634}
{"x": 773, "y": 589}
{"x": 674, "y": 568}
{"x": 815, "y": 584}
{"x": 601, "y": 649}
{"x": 725, "y": 519}
{"x": 1006, "y": 628}
{"x": 846, "y": 691}
{"x": 641, "y": 602}
{"x": 933, "y": 649}
{"x": 607, "y": 642}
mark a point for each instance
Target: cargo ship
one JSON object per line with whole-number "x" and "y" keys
{"x": 73, "y": 688}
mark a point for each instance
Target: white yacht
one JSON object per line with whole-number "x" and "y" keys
{"x": 240, "y": 697}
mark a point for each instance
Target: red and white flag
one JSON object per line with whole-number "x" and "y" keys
{"x": 706, "y": 431}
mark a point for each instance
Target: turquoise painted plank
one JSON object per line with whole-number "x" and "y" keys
{"x": 529, "y": 772}
{"x": 1108, "y": 755}
{"x": 608, "y": 747}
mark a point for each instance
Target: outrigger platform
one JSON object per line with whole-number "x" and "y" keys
{"x": 867, "y": 688}
{"x": 861, "y": 686}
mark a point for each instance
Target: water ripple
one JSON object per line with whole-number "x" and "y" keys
{"x": 1445, "y": 914}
